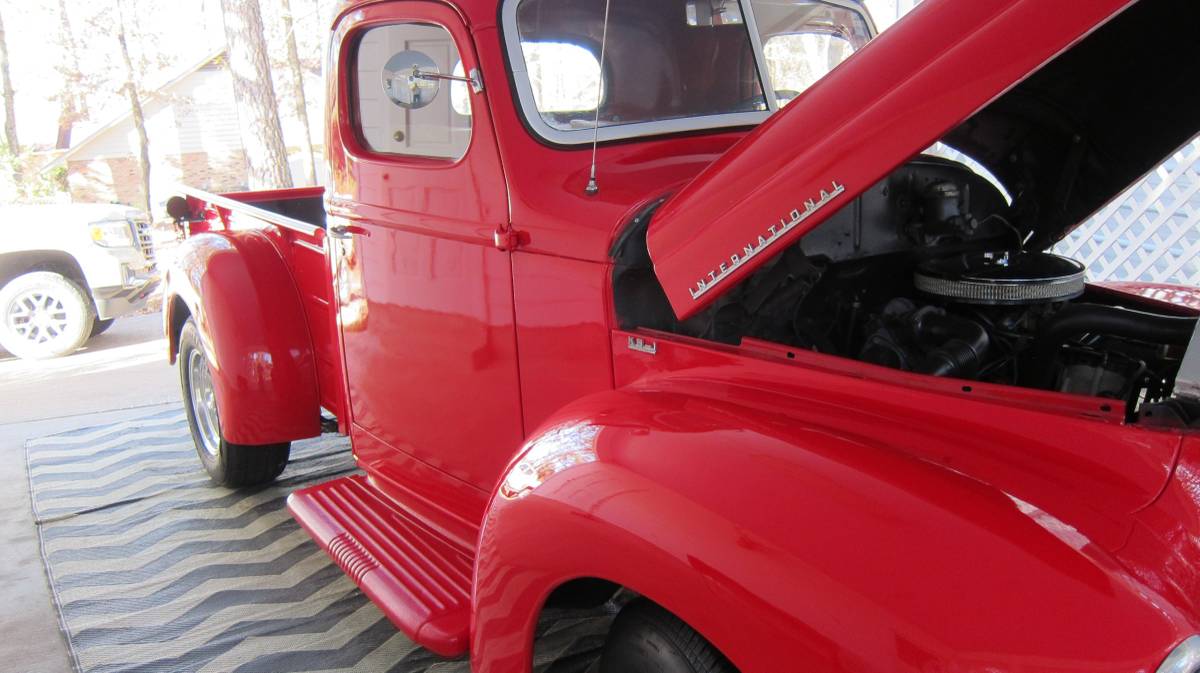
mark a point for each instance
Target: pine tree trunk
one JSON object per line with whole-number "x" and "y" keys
{"x": 310, "y": 161}
{"x": 258, "y": 109}
{"x": 74, "y": 102}
{"x": 135, "y": 106}
{"x": 10, "y": 103}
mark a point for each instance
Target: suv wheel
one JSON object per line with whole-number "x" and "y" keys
{"x": 44, "y": 315}
{"x": 228, "y": 464}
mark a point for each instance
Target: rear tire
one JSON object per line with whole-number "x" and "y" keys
{"x": 44, "y": 315}
{"x": 645, "y": 638}
{"x": 227, "y": 464}
{"x": 101, "y": 326}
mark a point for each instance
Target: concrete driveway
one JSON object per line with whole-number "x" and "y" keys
{"x": 117, "y": 376}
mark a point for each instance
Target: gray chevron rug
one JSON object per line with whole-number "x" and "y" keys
{"x": 156, "y": 570}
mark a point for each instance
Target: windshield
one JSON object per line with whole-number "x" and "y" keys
{"x": 669, "y": 65}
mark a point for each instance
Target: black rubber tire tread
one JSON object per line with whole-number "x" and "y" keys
{"x": 236, "y": 465}
{"x": 101, "y": 326}
{"x": 646, "y": 638}
{"x": 253, "y": 465}
{"x": 69, "y": 291}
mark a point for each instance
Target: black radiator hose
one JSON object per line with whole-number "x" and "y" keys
{"x": 1076, "y": 320}
{"x": 964, "y": 343}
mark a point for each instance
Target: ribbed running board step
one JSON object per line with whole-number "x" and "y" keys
{"x": 421, "y": 582}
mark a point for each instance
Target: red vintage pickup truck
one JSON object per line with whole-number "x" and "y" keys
{"x": 647, "y": 297}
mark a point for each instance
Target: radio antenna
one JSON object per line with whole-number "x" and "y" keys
{"x": 593, "y": 187}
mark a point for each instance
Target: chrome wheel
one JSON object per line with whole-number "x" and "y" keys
{"x": 38, "y": 317}
{"x": 204, "y": 402}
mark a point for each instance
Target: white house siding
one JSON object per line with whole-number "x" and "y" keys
{"x": 194, "y": 139}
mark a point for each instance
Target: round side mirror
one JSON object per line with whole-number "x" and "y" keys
{"x": 410, "y": 80}
{"x": 177, "y": 208}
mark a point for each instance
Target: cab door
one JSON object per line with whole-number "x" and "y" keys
{"x": 425, "y": 296}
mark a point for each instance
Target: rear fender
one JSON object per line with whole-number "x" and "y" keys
{"x": 241, "y": 294}
{"x": 781, "y": 542}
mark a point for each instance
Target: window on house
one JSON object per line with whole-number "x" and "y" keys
{"x": 397, "y": 110}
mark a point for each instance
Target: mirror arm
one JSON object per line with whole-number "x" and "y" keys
{"x": 473, "y": 78}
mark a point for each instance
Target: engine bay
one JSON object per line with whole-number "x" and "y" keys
{"x": 929, "y": 272}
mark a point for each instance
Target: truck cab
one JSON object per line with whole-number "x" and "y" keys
{"x": 681, "y": 302}
{"x": 68, "y": 271}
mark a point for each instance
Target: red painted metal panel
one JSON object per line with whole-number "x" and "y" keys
{"x": 896, "y": 97}
{"x": 1164, "y": 547}
{"x": 1070, "y": 454}
{"x": 419, "y": 581}
{"x": 264, "y": 370}
{"x": 1161, "y": 297}
{"x": 441, "y": 502}
{"x": 562, "y": 331}
{"x": 895, "y": 535}
{"x": 425, "y": 297}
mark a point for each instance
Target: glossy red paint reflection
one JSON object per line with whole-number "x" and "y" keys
{"x": 795, "y": 537}
{"x": 802, "y": 512}
{"x": 264, "y": 370}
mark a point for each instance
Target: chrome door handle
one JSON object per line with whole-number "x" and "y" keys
{"x": 346, "y": 231}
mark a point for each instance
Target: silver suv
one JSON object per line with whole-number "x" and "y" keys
{"x": 68, "y": 271}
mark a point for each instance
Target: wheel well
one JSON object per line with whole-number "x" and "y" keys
{"x": 590, "y": 598}
{"x": 585, "y": 600}
{"x": 16, "y": 264}
{"x": 177, "y": 315}
{"x": 582, "y": 593}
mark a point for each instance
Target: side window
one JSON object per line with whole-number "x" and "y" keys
{"x": 564, "y": 78}
{"x": 399, "y": 108}
{"x": 805, "y": 39}
{"x": 797, "y": 60}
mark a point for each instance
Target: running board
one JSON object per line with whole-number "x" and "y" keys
{"x": 421, "y": 582}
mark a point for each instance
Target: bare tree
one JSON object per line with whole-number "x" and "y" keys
{"x": 298, "y": 98}
{"x": 10, "y": 103}
{"x": 72, "y": 98}
{"x": 254, "y": 92}
{"x": 135, "y": 106}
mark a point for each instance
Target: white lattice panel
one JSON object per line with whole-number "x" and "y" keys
{"x": 1151, "y": 232}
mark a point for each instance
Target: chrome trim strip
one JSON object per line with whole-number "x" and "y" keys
{"x": 1187, "y": 382}
{"x": 309, "y": 246}
{"x": 759, "y": 55}
{"x": 1185, "y": 658}
{"x": 768, "y": 237}
{"x": 250, "y": 210}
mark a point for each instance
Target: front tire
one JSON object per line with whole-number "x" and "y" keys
{"x": 646, "y": 638}
{"x": 44, "y": 315}
{"x": 227, "y": 464}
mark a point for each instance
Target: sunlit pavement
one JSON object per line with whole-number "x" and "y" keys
{"x": 118, "y": 375}
{"x": 122, "y": 368}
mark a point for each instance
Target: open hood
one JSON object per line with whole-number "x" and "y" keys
{"x": 948, "y": 62}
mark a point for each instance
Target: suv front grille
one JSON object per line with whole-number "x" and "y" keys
{"x": 145, "y": 239}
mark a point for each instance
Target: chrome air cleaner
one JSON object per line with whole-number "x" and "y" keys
{"x": 1002, "y": 278}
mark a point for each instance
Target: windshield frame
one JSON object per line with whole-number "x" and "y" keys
{"x": 523, "y": 87}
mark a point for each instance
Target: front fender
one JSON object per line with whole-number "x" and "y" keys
{"x": 241, "y": 294}
{"x": 792, "y": 547}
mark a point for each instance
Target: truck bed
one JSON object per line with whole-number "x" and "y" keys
{"x": 294, "y": 220}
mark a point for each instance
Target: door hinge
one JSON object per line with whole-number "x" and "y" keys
{"x": 508, "y": 239}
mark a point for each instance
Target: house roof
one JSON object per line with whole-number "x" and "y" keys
{"x": 64, "y": 157}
